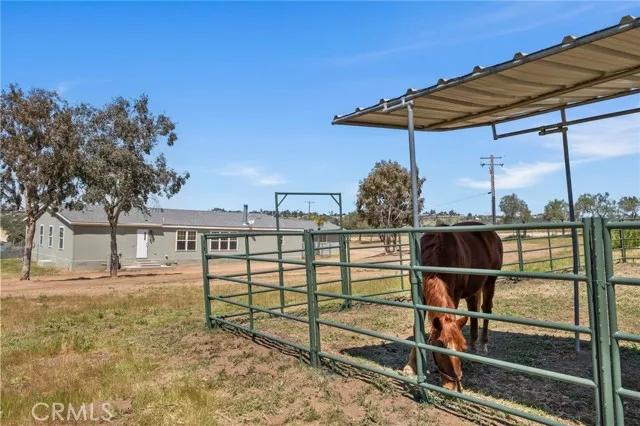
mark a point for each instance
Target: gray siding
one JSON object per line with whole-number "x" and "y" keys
{"x": 91, "y": 245}
{"x": 45, "y": 255}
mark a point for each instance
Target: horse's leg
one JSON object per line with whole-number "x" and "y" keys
{"x": 487, "y": 304}
{"x": 410, "y": 368}
{"x": 472, "y": 305}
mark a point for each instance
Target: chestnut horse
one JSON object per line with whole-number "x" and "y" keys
{"x": 474, "y": 249}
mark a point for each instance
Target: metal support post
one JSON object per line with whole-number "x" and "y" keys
{"x": 419, "y": 331}
{"x": 623, "y": 249}
{"x": 574, "y": 232}
{"x": 550, "y": 250}
{"x": 401, "y": 261}
{"x": 616, "y": 367}
{"x": 205, "y": 282}
{"x": 414, "y": 169}
{"x": 279, "y": 248}
{"x": 247, "y": 251}
{"x": 520, "y": 254}
{"x": 344, "y": 271}
{"x": 601, "y": 326}
{"x": 312, "y": 300}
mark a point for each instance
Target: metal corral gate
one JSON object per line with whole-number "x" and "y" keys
{"x": 606, "y": 382}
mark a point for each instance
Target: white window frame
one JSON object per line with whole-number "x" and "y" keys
{"x": 41, "y": 240}
{"x": 187, "y": 240}
{"x": 50, "y": 237}
{"x": 219, "y": 240}
{"x": 61, "y": 238}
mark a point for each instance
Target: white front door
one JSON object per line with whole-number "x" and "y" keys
{"x": 142, "y": 243}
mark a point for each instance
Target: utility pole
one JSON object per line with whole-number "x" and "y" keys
{"x": 492, "y": 172}
{"x": 309, "y": 202}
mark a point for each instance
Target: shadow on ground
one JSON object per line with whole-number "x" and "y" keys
{"x": 554, "y": 353}
{"x": 102, "y": 277}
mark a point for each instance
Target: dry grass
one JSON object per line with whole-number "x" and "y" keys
{"x": 149, "y": 353}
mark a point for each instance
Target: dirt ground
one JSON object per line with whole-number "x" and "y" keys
{"x": 151, "y": 321}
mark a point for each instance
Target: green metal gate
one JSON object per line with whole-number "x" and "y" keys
{"x": 606, "y": 382}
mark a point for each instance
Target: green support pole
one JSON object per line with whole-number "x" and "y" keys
{"x": 312, "y": 300}
{"x": 344, "y": 271}
{"x": 279, "y": 248}
{"x": 587, "y": 245}
{"x": 601, "y": 326}
{"x": 401, "y": 262}
{"x": 550, "y": 250}
{"x": 520, "y": 256}
{"x": 205, "y": 282}
{"x": 419, "y": 331}
{"x": 249, "y": 282}
{"x": 616, "y": 368}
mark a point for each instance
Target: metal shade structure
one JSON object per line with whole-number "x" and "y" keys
{"x": 597, "y": 66}
{"x": 593, "y": 68}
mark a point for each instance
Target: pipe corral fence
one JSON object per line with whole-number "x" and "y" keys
{"x": 300, "y": 302}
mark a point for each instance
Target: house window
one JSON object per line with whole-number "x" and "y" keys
{"x": 186, "y": 241}
{"x": 50, "y": 242}
{"x": 61, "y": 238}
{"x": 41, "y": 235}
{"x": 223, "y": 244}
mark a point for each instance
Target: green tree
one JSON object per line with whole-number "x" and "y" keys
{"x": 120, "y": 169}
{"x": 13, "y": 224}
{"x": 384, "y": 198}
{"x": 40, "y": 139}
{"x": 514, "y": 209}
{"x": 556, "y": 211}
{"x": 595, "y": 205}
{"x": 629, "y": 206}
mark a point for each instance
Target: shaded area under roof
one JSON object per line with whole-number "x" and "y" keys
{"x": 597, "y": 66}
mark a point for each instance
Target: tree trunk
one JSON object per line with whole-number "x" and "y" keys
{"x": 25, "y": 274}
{"x": 114, "y": 262}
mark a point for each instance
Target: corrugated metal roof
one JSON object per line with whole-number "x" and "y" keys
{"x": 187, "y": 218}
{"x": 598, "y": 65}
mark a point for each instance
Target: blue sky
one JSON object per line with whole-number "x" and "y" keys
{"x": 253, "y": 87}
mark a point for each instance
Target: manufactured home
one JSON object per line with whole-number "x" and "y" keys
{"x": 81, "y": 239}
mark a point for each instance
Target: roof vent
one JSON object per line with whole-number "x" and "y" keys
{"x": 627, "y": 19}
{"x": 245, "y": 215}
{"x": 442, "y": 81}
{"x": 568, "y": 39}
{"x": 383, "y": 101}
{"x": 519, "y": 55}
{"x": 478, "y": 69}
{"x": 411, "y": 90}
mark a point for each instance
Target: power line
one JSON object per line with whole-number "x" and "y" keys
{"x": 492, "y": 173}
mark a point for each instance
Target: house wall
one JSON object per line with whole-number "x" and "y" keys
{"x": 43, "y": 254}
{"x": 91, "y": 245}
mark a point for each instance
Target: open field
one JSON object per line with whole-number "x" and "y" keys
{"x": 139, "y": 342}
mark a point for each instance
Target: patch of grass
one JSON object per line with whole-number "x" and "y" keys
{"x": 10, "y": 268}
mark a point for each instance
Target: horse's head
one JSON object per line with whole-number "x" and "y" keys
{"x": 446, "y": 332}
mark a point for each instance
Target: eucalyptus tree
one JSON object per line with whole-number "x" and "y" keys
{"x": 595, "y": 205}
{"x": 556, "y": 211}
{"x": 40, "y": 139}
{"x": 384, "y": 198}
{"x": 121, "y": 169}
{"x": 629, "y": 206}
